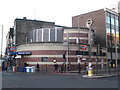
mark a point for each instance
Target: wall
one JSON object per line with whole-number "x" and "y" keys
{"x": 23, "y": 26}
{"x": 98, "y": 25}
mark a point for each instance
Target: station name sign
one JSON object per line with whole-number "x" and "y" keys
{"x": 24, "y": 53}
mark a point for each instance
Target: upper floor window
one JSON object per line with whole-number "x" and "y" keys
{"x": 116, "y": 20}
{"x": 44, "y": 59}
{"x": 112, "y": 19}
{"x": 107, "y": 17}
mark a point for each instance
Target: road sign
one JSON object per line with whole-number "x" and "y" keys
{"x": 89, "y": 22}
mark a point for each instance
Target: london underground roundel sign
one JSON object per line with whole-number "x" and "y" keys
{"x": 83, "y": 47}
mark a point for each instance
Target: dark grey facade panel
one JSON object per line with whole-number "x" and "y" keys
{"x": 40, "y": 35}
{"x": 31, "y": 36}
{"x": 28, "y": 37}
{"x": 26, "y": 26}
{"x": 34, "y": 35}
{"x": 59, "y": 35}
{"x": 52, "y": 35}
{"x": 46, "y": 35}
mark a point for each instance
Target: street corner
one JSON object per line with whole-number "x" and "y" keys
{"x": 99, "y": 76}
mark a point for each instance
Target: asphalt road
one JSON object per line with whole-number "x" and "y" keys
{"x": 53, "y": 80}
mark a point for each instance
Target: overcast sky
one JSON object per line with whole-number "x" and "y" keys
{"x": 58, "y": 11}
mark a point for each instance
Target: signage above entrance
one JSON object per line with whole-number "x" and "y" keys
{"x": 24, "y": 53}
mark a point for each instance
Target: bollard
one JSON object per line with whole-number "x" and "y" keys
{"x": 113, "y": 65}
{"x": 90, "y": 71}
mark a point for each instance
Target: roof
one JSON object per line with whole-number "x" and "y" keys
{"x": 25, "y": 19}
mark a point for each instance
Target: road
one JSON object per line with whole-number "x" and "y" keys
{"x": 54, "y": 80}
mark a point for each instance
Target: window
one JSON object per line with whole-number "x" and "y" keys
{"x": 112, "y": 19}
{"x": 108, "y": 17}
{"x": 116, "y": 20}
{"x": 44, "y": 59}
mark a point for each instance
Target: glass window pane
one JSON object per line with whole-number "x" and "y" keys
{"x": 44, "y": 59}
{"x": 108, "y": 19}
{"x": 116, "y": 20}
{"x": 112, "y": 19}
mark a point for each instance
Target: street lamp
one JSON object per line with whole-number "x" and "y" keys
{"x": 88, "y": 24}
{"x": 1, "y": 41}
{"x": 78, "y": 41}
{"x": 67, "y": 59}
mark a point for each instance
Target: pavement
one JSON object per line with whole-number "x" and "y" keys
{"x": 83, "y": 74}
{"x": 100, "y": 76}
{"x": 54, "y": 80}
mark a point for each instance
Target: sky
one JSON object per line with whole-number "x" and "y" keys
{"x": 58, "y": 11}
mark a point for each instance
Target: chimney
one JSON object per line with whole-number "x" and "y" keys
{"x": 24, "y": 18}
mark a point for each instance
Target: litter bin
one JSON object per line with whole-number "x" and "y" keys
{"x": 33, "y": 69}
{"x": 20, "y": 69}
{"x": 14, "y": 68}
{"x": 24, "y": 69}
{"x": 29, "y": 69}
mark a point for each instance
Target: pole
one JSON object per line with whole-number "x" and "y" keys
{"x": 79, "y": 68}
{"x": 89, "y": 44}
{"x": 67, "y": 60}
{"x": 116, "y": 54}
{"x": 1, "y": 41}
{"x": 97, "y": 53}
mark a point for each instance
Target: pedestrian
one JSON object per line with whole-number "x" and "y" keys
{"x": 38, "y": 67}
{"x": 62, "y": 68}
{"x": 55, "y": 67}
{"x": 25, "y": 65}
{"x": 6, "y": 66}
{"x": 68, "y": 67}
{"x": 3, "y": 66}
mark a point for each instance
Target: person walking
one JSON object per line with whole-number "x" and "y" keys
{"x": 6, "y": 66}
{"x": 38, "y": 68}
{"x": 62, "y": 68}
{"x": 55, "y": 67}
{"x": 3, "y": 66}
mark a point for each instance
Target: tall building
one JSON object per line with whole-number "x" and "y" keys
{"x": 107, "y": 30}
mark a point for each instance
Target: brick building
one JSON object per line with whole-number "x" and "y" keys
{"x": 42, "y": 42}
{"x": 107, "y": 30}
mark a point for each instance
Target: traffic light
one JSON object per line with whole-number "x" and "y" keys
{"x": 100, "y": 51}
{"x": 98, "y": 46}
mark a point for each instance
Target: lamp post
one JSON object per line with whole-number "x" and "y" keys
{"x": 88, "y": 24}
{"x": 78, "y": 41}
{"x": 67, "y": 59}
{"x": 1, "y": 41}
